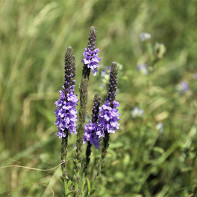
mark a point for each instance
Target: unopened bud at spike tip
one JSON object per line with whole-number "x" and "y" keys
{"x": 69, "y": 49}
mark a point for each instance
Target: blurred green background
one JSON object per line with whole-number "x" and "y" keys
{"x": 143, "y": 159}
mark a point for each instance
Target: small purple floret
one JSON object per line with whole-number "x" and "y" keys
{"x": 66, "y": 113}
{"x": 143, "y": 68}
{"x": 91, "y": 59}
{"x": 137, "y": 112}
{"x": 184, "y": 86}
{"x": 145, "y": 36}
{"x": 90, "y": 134}
{"x": 108, "y": 119}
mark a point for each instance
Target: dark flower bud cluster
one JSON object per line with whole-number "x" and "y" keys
{"x": 91, "y": 59}
{"x": 113, "y": 81}
{"x": 66, "y": 113}
{"x": 70, "y": 71}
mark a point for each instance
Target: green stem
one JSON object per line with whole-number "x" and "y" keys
{"x": 80, "y": 133}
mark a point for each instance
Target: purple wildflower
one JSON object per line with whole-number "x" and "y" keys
{"x": 143, "y": 68}
{"x": 90, "y": 54}
{"x": 90, "y": 131}
{"x": 103, "y": 72}
{"x": 159, "y": 127}
{"x": 90, "y": 134}
{"x": 66, "y": 113}
{"x": 137, "y": 112}
{"x": 91, "y": 59}
{"x": 91, "y": 127}
{"x": 108, "y": 118}
{"x": 145, "y": 36}
{"x": 183, "y": 87}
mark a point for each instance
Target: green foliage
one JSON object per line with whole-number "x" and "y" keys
{"x": 141, "y": 160}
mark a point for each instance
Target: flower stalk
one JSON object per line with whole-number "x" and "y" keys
{"x": 109, "y": 116}
{"x": 66, "y": 109}
{"x": 90, "y": 131}
{"x": 90, "y": 61}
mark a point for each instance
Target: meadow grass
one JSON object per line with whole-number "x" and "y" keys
{"x": 141, "y": 160}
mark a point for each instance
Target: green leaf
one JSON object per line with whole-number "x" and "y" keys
{"x": 88, "y": 183}
{"x": 69, "y": 193}
{"x": 92, "y": 192}
{"x": 69, "y": 183}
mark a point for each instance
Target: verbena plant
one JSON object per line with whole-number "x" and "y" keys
{"x": 103, "y": 122}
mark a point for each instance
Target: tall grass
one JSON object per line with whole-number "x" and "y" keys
{"x": 141, "y": 160}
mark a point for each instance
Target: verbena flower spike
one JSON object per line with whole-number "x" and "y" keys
{"x": 66, "y": 113}
{"x": 109, "y": 116}
{"x": 91, "y": 127}
{"x": 91, "y": 59}
{"x": 90, "y": 130}
{"x": 90, "y": 62}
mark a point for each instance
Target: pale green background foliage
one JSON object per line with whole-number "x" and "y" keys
{"x": 140, "y": 161}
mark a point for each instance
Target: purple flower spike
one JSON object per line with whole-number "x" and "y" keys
{"x": 90, "y": 129}
{"x": 90, "y": 54}
{"x": 90, "y": 134}
{"x": 109, "y": 116}
{"x": 66, "y": 113}
{"x": 108, "y": 119}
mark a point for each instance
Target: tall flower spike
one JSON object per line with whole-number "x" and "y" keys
{"x": 66, "y": 108}
{"x": 90, "y": 131}
{"x": 109, "y": 116}
{"x": 90, "y": 62}
{"x": 66, "y": 113}
{"x": 91, "y": 59}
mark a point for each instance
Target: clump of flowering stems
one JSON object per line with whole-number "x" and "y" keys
{"x": 103, "y": 122}
{"x": 90, "y": 61}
